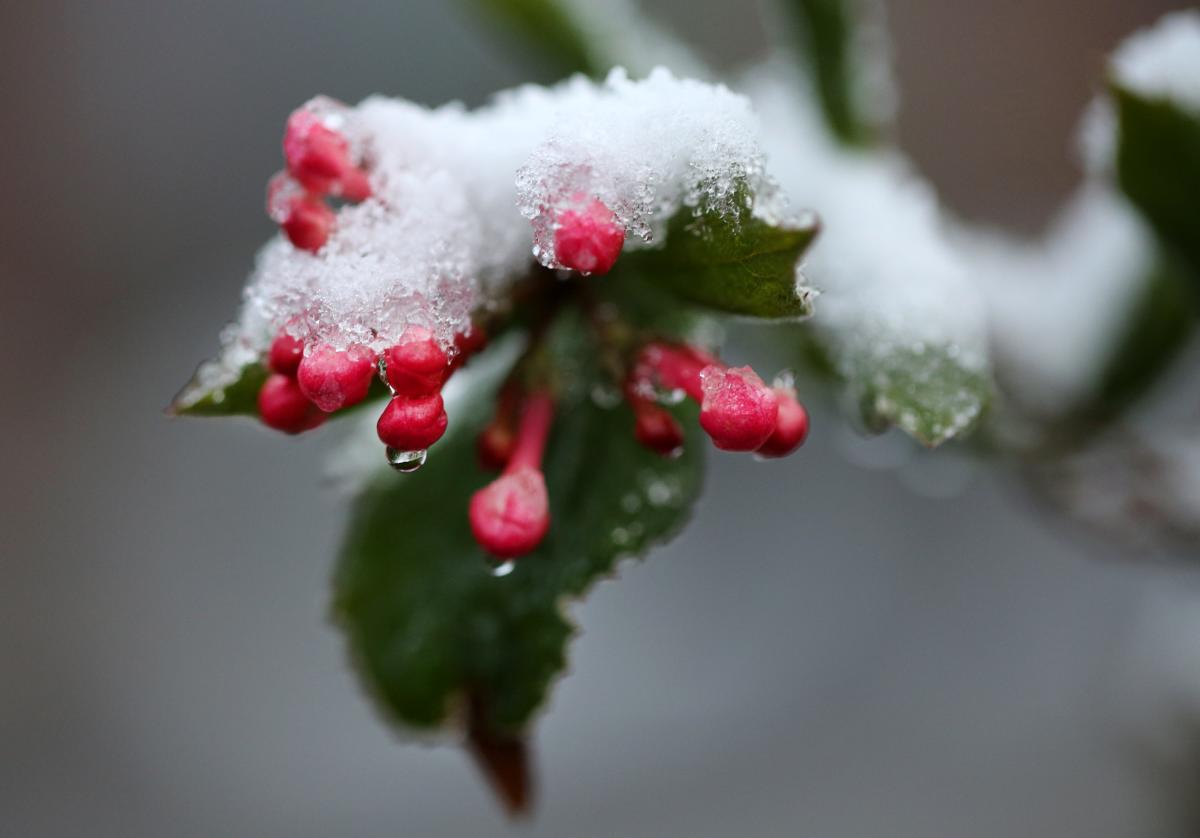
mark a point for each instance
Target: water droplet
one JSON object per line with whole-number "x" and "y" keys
{"x": 670, "y": 397}
{"x": 381, "y": 366}
{"x": 620, "y": 536}
{"x": 631, "y": 503}
{"x": 605, "y": 396}
{"x": 406, "y": 461}
{"x": 501, "y": 569}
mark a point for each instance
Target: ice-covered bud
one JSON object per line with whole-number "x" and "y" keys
{"x": 738, "y": 411}
{"x": 412, "y": 424}
{"x": 588, "y": 240}
{"x": 416, "y": 366}
{"x": 319, "y": 157}
{"x": 672, "y": 367}
{"x": 655, "y": 428}
{"x": 334, "y": 379}
{"x": 510, "y": 516}
{"x": 282, "y": 406}
{"x": 285, "y": 354}
{"x": 791, "y": 426}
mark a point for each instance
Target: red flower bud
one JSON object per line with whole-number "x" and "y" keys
{"x": 335, "y": 379}
{"x": 495, "y": 445}
{"x": 416, "y": 366}
{"x": 285, "y": 354}
{"x": 283, "y": 407}
{"x": 791, "y": 427}
{"x": 412, "y": 424}
{"x": 657, "y": 429}
{"x": 588, "y": 240}
{"x": 308, "y": 223}
{"x": 738, "y": 411}
{"x": 511, "y": 515}
{"x": 319, "y": 158}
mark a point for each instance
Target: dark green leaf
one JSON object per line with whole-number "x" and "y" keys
{"x": 744, "y": 266}
{"x": 1158, "y": 167}
{"x": 433, "y": 630}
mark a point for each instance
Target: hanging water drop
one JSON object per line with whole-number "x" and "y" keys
{"x": 501, "y": 569}
{"x": 406, "y": 461}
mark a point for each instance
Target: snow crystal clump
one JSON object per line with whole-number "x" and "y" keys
{"x": 1056, "y": 305}
{"x": 646, "y": 149}
{"x": 1163, "y": 61}
{"x": 891, "y": 283}
{"x": 446, "y": 230}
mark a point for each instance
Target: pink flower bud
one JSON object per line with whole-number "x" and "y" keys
{"x": 510, "y": 516}
{"x": 416, "y": 366}
{"x": 588, "y": 240}
{"x": 738, "y": 411}
{"x": 672, "y": 367}
{"x": 791, "y": 428}
{"x": 335, "y": 379}
{"x": 411, "y": 424}
{"x": 285, "y": 354}
{"x": 308, "y": 224}
{"x": 657, "y": 429}
{"x": 282, "y": 406}
{"x": 319, "y": 158}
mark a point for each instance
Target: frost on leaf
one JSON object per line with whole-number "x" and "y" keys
{"x": 899, "y": 316}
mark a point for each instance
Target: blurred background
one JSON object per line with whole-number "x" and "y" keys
{"x": 850, "y": 643}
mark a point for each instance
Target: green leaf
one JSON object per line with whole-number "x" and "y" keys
{"x": 434, "y": 631}
{"x": 826, "y": 30}
{"x": 1158, "y": 167}
{"x": 560, "y": 40}
{"x": 927, "y": 392}
{"x": 205, "y": 395}
{"x": 741, "y": 266}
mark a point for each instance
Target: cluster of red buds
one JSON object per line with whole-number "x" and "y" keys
{"x": 319, "y": 167}
{"x": 511, "y": 515}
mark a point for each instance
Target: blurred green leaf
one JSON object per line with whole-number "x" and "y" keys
{"x": 551, "y": 30}
{"x": 738, "y": 266}
{"x": 1158, "y": 167}
{"x": 825, "y": 30}
{"x": 929, "y": 393}
{"x": 237, "y": 398}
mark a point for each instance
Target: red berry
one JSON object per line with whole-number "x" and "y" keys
{"x": 738, "y": 412}
{"x": 319, "y": 158}
{"x": 416, "y": 366}
{"x": 588, "y": 240}
{"x": 791, "y": 428}
{"x": 308, "y": 224}
{"x": 510, "y": 516}
{"x": 411, "y": 424}
{"x": 285, "y": 355}
{"x": 657, "y": 429}
{"x": 335, "y": 379}
{"x": 283, "y": 407}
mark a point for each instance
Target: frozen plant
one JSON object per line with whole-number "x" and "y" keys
{"x": 527, "y": 298}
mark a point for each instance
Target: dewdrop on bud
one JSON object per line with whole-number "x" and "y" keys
{"x": 412, "y": 424}
{"x": 334, "y": 379}
{"x": 739, "y": 411}
{"x": 282, "y": 406}
{"x": 791, "y": 426}
{"x": 588, "y": 240}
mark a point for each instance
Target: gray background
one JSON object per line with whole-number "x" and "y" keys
{"x": 830, "y": 649}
